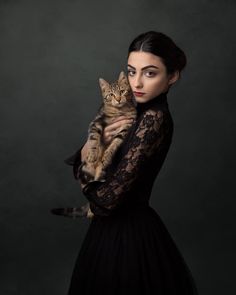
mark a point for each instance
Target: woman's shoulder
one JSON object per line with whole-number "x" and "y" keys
{"x": 153, "y": 114}
{"x": 154, "y": 118}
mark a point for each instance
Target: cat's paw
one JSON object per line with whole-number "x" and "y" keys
{"x": 100, "y": 174}
{"x": 87, "y": 172}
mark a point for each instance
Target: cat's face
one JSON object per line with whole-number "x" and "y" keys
{"x": 118, "y": 93}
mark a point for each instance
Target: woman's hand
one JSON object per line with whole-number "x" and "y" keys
{"x": 111, "y": 130}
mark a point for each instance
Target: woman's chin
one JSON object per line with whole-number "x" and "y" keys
{"x": 140, "y": 99}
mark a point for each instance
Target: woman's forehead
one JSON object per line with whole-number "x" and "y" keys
{"x": 140, "y": 59}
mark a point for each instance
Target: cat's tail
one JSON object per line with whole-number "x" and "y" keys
{"x": 73, "y": 212}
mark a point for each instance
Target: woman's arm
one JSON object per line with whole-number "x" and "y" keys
{"x": 77, "y": 159}
{"x": 148, "y": 136}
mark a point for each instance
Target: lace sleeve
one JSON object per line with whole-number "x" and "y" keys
{"x": 146, "y": 139}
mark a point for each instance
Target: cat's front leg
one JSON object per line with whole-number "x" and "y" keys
{"x": 93, "y": 152}
{"x": 107, "y": 159}
{"x": 88, "y": 168}
{"x": 94, "y": 142}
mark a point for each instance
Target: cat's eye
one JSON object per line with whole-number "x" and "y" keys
{"x": 109, "y": 96}
{"x": 123, "y": 91}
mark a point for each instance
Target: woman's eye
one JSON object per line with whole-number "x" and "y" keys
{"x": 152, "y": 74}
{"x": 130, "y": 72}
{"x": 148, "y": 74}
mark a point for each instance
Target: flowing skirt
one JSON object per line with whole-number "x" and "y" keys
{"x": 130, "y": 253}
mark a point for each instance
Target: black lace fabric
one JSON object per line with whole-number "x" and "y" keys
{"x": 106, "y": 196}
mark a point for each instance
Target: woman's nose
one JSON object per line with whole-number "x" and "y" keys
{"x": 138, "y": 82}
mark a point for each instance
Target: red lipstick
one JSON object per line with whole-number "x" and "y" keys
{"x": 138, "y": 93}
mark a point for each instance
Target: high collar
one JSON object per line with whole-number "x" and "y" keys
{"x": 159, "y": 99}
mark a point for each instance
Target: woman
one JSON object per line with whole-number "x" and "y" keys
{"x": 128, "y": 249}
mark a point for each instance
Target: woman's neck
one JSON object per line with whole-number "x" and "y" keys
{"x": 159, "y": 99}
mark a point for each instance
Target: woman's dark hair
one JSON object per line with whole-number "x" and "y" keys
{"x": 163, "y": 46}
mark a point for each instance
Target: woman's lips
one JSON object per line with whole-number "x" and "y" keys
{"x": 138, "y": 93}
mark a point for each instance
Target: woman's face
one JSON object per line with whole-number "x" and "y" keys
{"x": 147, "y": 74}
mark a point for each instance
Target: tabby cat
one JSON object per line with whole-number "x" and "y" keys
{"x": 117, "y": 101}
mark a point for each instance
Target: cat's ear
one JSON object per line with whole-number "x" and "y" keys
{"x": 122, "y": 77}
{"x": 103, "y": 84}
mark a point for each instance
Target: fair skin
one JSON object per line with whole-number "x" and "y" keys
{"x": 152, "y": 81}
{"x": 147, "y": 73}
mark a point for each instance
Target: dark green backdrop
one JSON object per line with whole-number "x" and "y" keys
{"x": 52, "y": 54}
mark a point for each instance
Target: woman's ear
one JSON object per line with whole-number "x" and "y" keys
{"x": 174, "y": 77}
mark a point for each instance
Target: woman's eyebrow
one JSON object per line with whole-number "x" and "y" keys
{"x": 149, "y": 66}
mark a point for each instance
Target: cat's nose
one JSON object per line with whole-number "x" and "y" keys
{"x": 118, "y": 98}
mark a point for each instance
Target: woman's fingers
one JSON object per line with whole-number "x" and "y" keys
{"x": 114, "y": 126}
{"x": 111, "y": 130}
{"x": 120, "y": 118}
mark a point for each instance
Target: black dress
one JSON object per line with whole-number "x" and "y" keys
{"x": 127, "y": 248}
